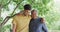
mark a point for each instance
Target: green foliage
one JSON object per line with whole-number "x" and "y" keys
{"x": 0, "y": 1}
{"x": 4, "y": 28}
{"x": 45, "y": 2}
{"x": 43, "y": 7}
{"x": 52, "y": 18}
{"x": 4, "y": 1}
{"x": 6, "y": 8}
{"x": 17, "y": 1}
{"x": 1, "y": 19}
{"x": 4, "y": 4}
{"x": 40, "y": 5}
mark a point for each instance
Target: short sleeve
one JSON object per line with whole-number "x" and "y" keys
{"x": 14, "y": 21}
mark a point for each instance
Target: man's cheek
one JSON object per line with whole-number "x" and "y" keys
{"x": 30, "y": 13}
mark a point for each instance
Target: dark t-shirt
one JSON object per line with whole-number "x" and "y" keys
{"x": 36, "y": 26}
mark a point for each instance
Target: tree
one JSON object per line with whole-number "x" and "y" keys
{"x": 43, "y": 7}
{"x": 6, "y": 6}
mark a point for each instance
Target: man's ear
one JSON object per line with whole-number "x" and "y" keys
{"x": 42, "y": 20}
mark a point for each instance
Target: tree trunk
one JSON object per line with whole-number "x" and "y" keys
{"x": 0, "y": 11}
{"x": 0, "y": 16}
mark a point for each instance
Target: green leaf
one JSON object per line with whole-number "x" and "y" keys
{"x": 45, "y": 1}
{"x": 1, "y": 19}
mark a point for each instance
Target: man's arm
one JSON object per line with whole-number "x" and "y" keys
{"x": 44, "y": 27}
{"x": 14, "y": 25}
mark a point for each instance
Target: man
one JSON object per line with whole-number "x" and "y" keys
{"x": 36, "y": 23}
{"x": 21, "y": 20}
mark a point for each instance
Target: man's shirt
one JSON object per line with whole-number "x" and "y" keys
{"x": 36, "y": 26}
{"x": 22, "y": 22}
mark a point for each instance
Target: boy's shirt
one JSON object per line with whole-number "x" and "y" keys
{"x": 22, "y": 22}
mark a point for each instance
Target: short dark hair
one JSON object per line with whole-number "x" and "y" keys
{"x": 33, "y": 11}
{"x": 27, "y": 7}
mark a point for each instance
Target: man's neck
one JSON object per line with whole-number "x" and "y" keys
{"x": 35, "y": 17}
{"x": 25, "y": 14}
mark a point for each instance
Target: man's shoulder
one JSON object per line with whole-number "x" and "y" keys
{"x": 18, "y": 15}
{"x": 29, "y": 15}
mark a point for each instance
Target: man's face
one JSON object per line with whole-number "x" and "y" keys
{"x": 27, "y": 12}
{"x": 34, "y": 14}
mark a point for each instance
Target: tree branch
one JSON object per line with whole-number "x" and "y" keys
{"x": 8, "y": 17}
{"x": 15, "y": 9}
{"x": 1, "y": 6}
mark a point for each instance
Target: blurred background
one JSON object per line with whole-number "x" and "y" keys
{"x": 49, "y": 9}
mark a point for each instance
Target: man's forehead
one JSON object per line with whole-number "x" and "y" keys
{"x": 28, "y": 10}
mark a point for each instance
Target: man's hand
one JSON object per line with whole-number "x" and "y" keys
{"x": 14, "y": 27}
